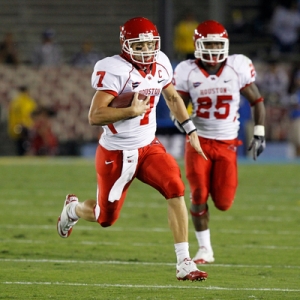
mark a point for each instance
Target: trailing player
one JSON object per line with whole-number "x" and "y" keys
{"x": 213, "y": 83}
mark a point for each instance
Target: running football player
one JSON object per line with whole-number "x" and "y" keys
{"x": 213, "y": 83}
{"x": 128, "y": 147}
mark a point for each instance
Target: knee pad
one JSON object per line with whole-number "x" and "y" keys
{"x": 105, "y": 224}
{"x": 108, "y": 219}
{"x": 199, "y": 213}
{"x": 173, "y": 188}
{"x": 199, "y": 196}
{"x": 225, "y": 205}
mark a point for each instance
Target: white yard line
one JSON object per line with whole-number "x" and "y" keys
{"x": 138, "y": 244}
{"x": 113, "y": 262}
{"x": 139, "y": 229}
{"x": 103, "y": 285}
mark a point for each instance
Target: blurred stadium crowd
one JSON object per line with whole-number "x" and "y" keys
{"x": 78, "y": 36}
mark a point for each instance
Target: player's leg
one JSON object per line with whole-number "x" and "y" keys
{"x": 198, "y": 172}
{"x": 224, "y": 176}
{"x": 178, "y": 222}
{"x": 72, "y": 211}
{"x": 109, "y": 165}
{"x": 161, "y": 171}
{"x": 85, "y": 210}
{"x": 65, "y": 223}
{"x": 89, "y": 210}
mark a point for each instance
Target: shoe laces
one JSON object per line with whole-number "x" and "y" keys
{"x": 187, "y": 262}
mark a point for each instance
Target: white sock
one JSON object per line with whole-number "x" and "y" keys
{"x": 71, "y": 211}
{"x": 182, "y": 251}
{"x": 203, "y": 238}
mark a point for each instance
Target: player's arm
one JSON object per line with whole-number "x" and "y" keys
{"x": 178, "y": 110}
{"x": 175, "y": 103}
{"x": 252, "y": 94}
{"x": 186, "y": 100}
{"x": 101, "y": 114}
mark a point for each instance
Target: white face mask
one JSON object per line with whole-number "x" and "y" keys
{"x": 212, "y": 55}
{"x": 143, "y": 50}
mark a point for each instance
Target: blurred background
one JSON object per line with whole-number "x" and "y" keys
{"x": 48, "y": 50}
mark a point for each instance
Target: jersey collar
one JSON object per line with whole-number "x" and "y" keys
{"x": 205, "y": 73}
{"x": 144, "y": 70}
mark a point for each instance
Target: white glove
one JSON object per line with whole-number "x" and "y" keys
{"x": 258, "y": 143}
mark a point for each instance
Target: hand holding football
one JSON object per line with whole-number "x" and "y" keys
{"x": 124, "y": 100}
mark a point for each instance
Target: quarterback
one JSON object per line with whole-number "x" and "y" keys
{"x": 212, "y": 83}
{"x": 128, "y": 147}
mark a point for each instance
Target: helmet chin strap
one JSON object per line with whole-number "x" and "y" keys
{"x": 212, "y": 64}
{"x": 211, "y": 68}
{"x": 146, "y": 68}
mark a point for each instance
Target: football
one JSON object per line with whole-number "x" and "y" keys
{"x": 124, "y": 100}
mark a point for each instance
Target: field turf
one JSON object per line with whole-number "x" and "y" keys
{"x": 256, "y": 242}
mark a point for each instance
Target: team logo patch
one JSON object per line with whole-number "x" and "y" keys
{"x": 232, "y": 148}
{"x": 135, "y": 84}
{"x": 196, "y": 84}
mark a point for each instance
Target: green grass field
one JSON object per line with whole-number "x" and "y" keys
{"x": 256, "y": 242}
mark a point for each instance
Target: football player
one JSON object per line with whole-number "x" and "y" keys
{"x": 213, "y": 83}
{"x": 128, "y": 147}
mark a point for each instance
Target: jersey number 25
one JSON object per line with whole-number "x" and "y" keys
{"x": 222, "y": 107}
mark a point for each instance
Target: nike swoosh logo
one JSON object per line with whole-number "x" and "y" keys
{"x": 108, "y": 162}
{"x": 159, "y": 81}
{"x": 225, "y": 81}
{"x": 129, "y": 156}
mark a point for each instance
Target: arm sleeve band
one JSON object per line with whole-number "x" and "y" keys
{"x": 259, "y": 130}
{"x": 188, "y": 126}
{"x": 261, "y": 99}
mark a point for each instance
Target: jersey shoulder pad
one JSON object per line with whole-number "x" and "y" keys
{"x": 164, "y": 60}
{"x": 238, "y": 61}
{"x": 184, "y": 68}
{"x": 162, "y": 57}
{"x": 113, "y": 64}
{"x": 244, "y": 67}
{"x": 185, "y": 64}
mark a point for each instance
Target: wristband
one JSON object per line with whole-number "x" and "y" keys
{"x": 188, "y": 126}
{"x": 259, "y": 130}
{"x": 261, "y": 99}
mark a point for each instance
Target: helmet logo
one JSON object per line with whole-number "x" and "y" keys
{"x": 146, "y": 37}
{"x": 214, "y": 36}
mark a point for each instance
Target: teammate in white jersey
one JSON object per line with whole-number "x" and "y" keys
{"x": 128, "y": 147}
{"x": 213, "y": 83}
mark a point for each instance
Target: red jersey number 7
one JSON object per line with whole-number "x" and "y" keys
{"x": 101, "y": 75}
{"x": 145, "y": 119}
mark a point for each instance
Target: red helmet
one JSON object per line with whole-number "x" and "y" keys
{"x": 139, "y": 30}
{"x": 212, "y": 32}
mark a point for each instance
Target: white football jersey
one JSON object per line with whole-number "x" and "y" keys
{"x": 117, "y": 75}
{"x": 215, "y": 98}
